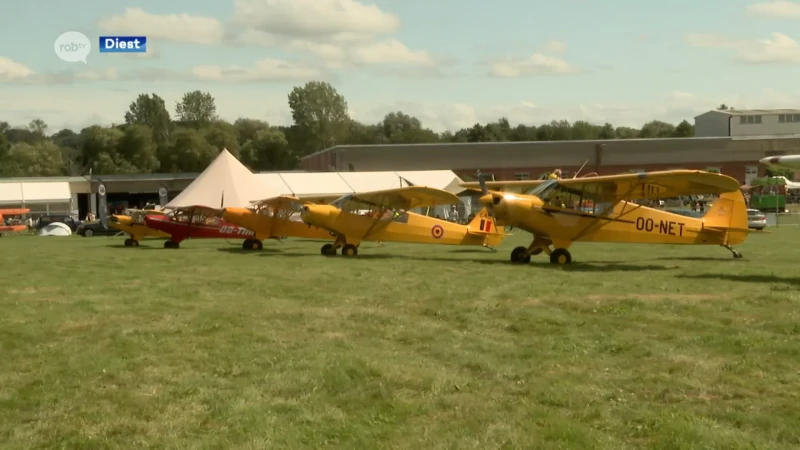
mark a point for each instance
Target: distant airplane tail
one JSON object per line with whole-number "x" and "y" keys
{"x": 728, "y": 214}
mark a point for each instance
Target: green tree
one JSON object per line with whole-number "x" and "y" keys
{"x": 684, "y": 129}
{"x": 197, "y": 107}
{"x": 320, "y": 115}
{"x": 138, "y": 148}
{"x": 150, "y": 110}
{"x": 42, "y": 159}
{"x": 188, "y": 151}
{"x": 657, "y": 129}
{"x": 220, "y": 134}
{"x": 268, "y": 150}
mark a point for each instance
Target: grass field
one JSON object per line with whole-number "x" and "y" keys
{"x": 403, "y": 347}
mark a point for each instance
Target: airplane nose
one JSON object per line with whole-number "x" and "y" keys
{"x": 487, "y": 199}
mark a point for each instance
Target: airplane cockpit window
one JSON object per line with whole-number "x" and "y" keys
{"x": 545, "y": 190}
{"x": 341, "y": 201}
{"x": 400, "y": 217}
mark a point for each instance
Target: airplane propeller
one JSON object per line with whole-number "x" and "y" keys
{"x": 490, "y": 201}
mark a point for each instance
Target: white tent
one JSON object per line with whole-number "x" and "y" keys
{"x": 55, "y": 229}
{"x": 225, "y": 182}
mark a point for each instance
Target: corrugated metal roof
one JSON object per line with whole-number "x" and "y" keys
{"x": 749, "y": 112}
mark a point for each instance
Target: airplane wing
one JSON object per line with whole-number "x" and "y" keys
{"x": 14, "y": 211}
{"x": 406, "y": 198}
{"x": 630, "y": 186}
{"x": 652, "y": 185}
{"x": 517, "y": 186}
{"x": 273, "y": 201}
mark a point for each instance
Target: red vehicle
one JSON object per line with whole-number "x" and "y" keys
{"x": 196, "y": 223}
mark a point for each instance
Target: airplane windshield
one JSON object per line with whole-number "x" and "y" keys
{"x": 341, "y": 201}
{"x": 544, "y": 190}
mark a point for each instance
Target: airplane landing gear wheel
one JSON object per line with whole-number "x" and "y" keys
{"x": 328, "y": 250}
{"x": 171, "y": 244}
{"x": 134, "y": 243}
{"x": 349, "y": 250}
{"x": 129, "y": 242}
{"x": 252, "y": 244}
{"x": 560, "y": 256}
{"x": 519, "y": 255}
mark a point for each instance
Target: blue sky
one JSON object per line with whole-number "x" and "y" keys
{"x": 451, "y": 63}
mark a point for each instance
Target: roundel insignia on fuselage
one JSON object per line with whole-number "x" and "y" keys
{"x": 437, "y": 231}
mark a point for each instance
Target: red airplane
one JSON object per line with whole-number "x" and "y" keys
{"x": 12, "y": 228}
{"x": 196, "y": 222}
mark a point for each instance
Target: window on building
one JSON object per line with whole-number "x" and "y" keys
{"x": 522, "y": 176}
{"x": 742, "y": 120}
{"x": 796, "y": 118}
{"x": 757, "y": 119}
{"x": 781, "y": 118}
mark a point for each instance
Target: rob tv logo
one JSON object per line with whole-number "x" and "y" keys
{"x": 123, "y": 44}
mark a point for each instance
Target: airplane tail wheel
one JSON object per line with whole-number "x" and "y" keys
{"x": 171, "y": 244}
{"x": 128, "y": 242}
{"x": 349, "y": 250}
{"x": 256, "y": 244}
{"x": 519, "y": 255}
{"x": 560, "y": 256}
{"x": 247, "y": 244}
{"x": 134, "y": 243}
{"x": 328, "y": 250}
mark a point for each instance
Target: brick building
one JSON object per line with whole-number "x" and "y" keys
{"x": 736, "y": 156}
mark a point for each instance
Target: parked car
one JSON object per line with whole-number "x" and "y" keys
{"x": 46, "y": 220}
{"x": 89, "y": 229}
{"x": 756, "y": 219}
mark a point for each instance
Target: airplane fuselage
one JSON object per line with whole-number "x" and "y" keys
{"x": 269, "y": 226}
{"x": 396, "y": 227}
{"x": 181, "y": 230}
{"x": 136, "y": 230}
{"x": 627, "y": 222}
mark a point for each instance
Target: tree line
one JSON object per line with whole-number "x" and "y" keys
{"x": 150, "y": 139}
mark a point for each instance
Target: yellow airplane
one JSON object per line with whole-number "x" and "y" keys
{"x": 135, "y": 226}
{"x": 383, "y": 216}
{"x": 273, "y": 218}
{"x": 601, "y": 209}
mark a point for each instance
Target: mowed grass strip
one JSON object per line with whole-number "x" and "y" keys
{"x": 404, "y": 346}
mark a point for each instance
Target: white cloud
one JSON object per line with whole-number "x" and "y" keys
{"x": 16, "y": 73}
{"x": 170, "y": 27}
{"x": 264, "y": 70}
{"x": 13, "y": 71}
{"x": 780, "y": 9}
{"x": 554, "y": 47}
{"x": 534, "y": 65}
{"x": 778, "y": 49}
{"x": 319, "y": 19}
{"x": 339, "y": 33}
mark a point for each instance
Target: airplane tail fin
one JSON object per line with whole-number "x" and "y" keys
{"x": 484, "y": 224}
{"x": 728, "y": 214}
